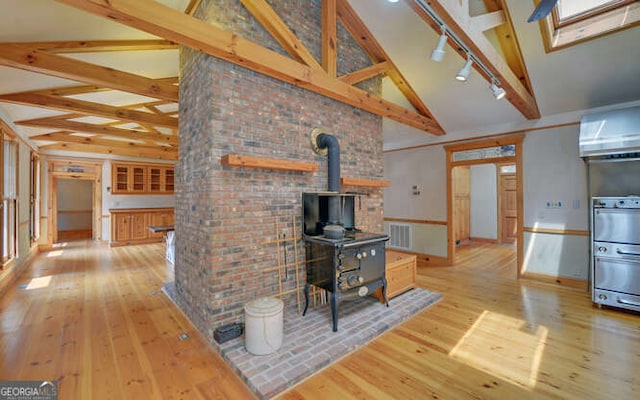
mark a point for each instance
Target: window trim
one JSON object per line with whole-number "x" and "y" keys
{"x": 561, "y": 34}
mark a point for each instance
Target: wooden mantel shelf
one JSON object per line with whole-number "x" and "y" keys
{"x": 236, "y": 160}
{"x": 376, "y": 183}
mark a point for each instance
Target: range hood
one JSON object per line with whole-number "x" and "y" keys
{"x": 611, "y": 134}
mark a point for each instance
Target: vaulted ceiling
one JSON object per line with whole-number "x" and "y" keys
{"x": 74, "y": 82}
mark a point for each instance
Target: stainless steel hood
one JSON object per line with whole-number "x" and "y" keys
{"x": 613, "y": 133}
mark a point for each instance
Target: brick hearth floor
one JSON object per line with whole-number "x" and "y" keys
{"x": 309, "y": 344}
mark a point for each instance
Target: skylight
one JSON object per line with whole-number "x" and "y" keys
{"x": 575, "y": 21}
{"x": 572, "y": 8}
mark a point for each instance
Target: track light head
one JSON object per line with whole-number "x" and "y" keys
{"x": 438, "y": 53}
{"x": 464, "y": 72}
{"x": 497, "y": 91}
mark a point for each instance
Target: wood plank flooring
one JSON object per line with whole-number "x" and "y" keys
{"x": 99, "y": 325}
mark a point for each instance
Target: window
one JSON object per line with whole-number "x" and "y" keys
{"x": 9, "y": 198}
{"x": 34, "y": 198}
{"x": 575, "y": 21}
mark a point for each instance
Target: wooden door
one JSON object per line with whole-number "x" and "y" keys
{"x": 508, "y": 209}
{"x": 462, "y": 203}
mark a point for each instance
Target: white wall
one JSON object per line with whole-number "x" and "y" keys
{"x": 425, "y": 167}
{"x": 554, "y": 172}
{"x": 484, "y": 201}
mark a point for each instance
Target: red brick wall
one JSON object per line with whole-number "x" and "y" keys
{"x": 224, "y": 215}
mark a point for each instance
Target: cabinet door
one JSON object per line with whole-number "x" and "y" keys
{"x": 122, "y": 227}
{"x": 138, "y": 179}
{"x": 156, "y": 179}
{"x": 168, "y": 180}
{"x": 139, "y": 226}
{"x": 120, "y": 181}
{"x": 160, "y": 219}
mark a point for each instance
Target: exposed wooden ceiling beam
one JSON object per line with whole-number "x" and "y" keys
{"x": 173, "y": 25}
{"x": 86, "y": 148}
{"x": 31, "y": 59}
{"x": 359, "y": 31}
{"x": 98, "y": 140}
{"x": 83, "y": 89}
{"x": 96, "y": 46}
{"x": 88, "y": 108}
{"x": 271, "y": 21}
{"x": 329, "y": 37}
{"x": 366, "y": 73}
{"x": 455, "y": 15}
{"x": 99, "y": 130}
{"x": 509, "y": 43}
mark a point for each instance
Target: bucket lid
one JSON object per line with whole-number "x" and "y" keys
{"x": 264, "y": 305}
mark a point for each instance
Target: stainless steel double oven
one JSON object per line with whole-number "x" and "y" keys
{"x": 615, "y": 264}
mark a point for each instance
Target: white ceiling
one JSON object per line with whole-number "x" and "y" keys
{"x": 601, "y": 72}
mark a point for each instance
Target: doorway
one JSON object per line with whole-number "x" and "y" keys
{"x": 504, "y": 157}
{"x": 85, "y": 175}
{"x": 479, "y": 204}
{"x": 74, "y": 209}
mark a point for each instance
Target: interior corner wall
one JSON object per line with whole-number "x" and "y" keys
{"x": 554, "y": 173}
{"x": 225, "y": 216}
{"x": 425, "y": 168}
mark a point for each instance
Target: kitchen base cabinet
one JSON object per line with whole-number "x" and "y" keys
{"x": 131, "y": 225}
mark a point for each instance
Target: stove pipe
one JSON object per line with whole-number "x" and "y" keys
{"x": 333, "y": 161}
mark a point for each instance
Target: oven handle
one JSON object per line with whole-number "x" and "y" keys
{"x": 628, "y": 303}
{"x": 627, "y": 253}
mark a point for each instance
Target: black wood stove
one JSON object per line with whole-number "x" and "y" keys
{"x": 347, "y": 267}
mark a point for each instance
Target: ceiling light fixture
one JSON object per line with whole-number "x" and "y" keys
{"x": 464, "y": 72}
{"x": 393, "y": 1}
{"x": 471, "y": 58}
{"x": 438, "y": 53}
{"x": 497, "y": 91}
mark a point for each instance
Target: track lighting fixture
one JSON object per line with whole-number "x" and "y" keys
{"x": 464, "y": 72}
{"x": 438, "y": 53}
{"x": 497, "y": 91}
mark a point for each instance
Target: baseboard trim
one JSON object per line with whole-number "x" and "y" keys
{"x": 44, "y": 247}
{"x": 556, "y": 280}
{"x": 483, "y": 240}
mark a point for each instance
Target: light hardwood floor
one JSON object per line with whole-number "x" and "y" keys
{"x": 101, "y": 327}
